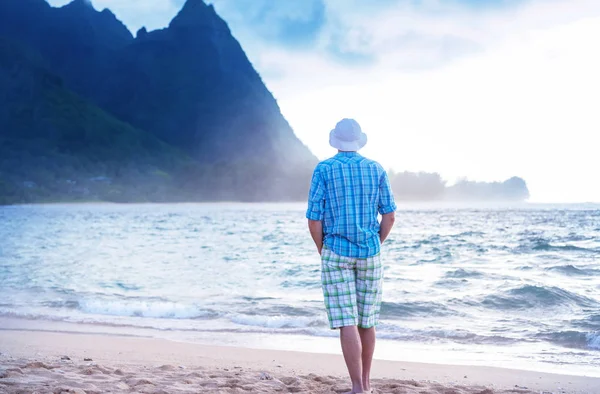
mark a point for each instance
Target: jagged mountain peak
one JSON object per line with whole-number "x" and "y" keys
{"x": 198, "y": 14}
{"x": 194, "y": 5}
{"x": 81, "y": 4}
{"x": 87, "y": 7}
{"x": 104, "y": 24}
{"x": 141, "y": 33}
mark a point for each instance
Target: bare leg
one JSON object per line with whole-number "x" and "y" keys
{"x": 352, "y": 349}
{"x": 367, "y": 339}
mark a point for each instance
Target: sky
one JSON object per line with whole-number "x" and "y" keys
{"x": 477, "y": 89}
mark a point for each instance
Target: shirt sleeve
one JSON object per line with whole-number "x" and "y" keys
{"x": 316, "y": 197}
{"x": 386, "y": 196}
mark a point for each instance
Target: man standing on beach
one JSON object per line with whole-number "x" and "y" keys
{"x": 347, "y": 193}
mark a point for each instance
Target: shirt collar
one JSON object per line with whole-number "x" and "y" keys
{"x": 348, "y": 154}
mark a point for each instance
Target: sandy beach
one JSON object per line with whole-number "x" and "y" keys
{"x": 58, "y": 362}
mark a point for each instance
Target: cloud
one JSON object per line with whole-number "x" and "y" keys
{"x": 513, "y": 96}
{"x": 290, "y": 23}
{"x": 397, "y": 34}
{"x": 349, "y": 47}
{"x": 404, "y": 34}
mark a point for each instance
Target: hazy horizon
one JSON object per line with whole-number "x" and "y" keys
{"x": 479, "y": 89}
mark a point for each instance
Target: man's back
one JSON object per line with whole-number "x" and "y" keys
{"x": 347, "y": 192}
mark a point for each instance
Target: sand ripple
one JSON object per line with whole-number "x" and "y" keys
{"x": 78, "y": 377}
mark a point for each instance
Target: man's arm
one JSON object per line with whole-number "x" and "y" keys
{"x": 387, "y": 222}
{"x": 316, "y": 232}
{"x": 316, "y": 208}
{"x": 387, "y": 207}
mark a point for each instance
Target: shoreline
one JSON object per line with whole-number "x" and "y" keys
{"x": 386, "y": 350}
{"x": 139, "y": 355}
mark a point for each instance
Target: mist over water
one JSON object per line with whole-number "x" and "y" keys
{"x": 493, "y": 285}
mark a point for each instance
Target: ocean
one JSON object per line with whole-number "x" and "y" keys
{"x": 509, "y": 285}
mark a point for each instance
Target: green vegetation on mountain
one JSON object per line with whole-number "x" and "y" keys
{"x": 54, "y": 145}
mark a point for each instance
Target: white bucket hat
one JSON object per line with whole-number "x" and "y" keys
{"x": 347, "y": 136}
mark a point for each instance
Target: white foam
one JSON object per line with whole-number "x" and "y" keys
{"x": 277, "y": 321}
{"x": 155, "y": 309}
{"x": 593, "y": 339}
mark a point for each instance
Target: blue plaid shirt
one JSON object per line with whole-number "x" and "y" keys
{"x": 346, "y": 194}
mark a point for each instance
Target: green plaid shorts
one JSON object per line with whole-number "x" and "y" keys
{"x": 352, "y": 289}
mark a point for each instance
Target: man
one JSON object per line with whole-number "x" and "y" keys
{"x": 347, "y": 192}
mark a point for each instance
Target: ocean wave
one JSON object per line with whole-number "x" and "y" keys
{"x": 282, "y": 310}
{"x": 525, "y": 268}
{"x": 69, "y": 304}
{"x": 396, "y": 333}
{"x": 572, "y": 270}
{"x": 29, "y": 315}
{"x": 573, "y": 339}
{"x": 574, "y": 237}
{"x": 469, "y": 234}
{"x": 414, "y": 309}
{"x": 541, "y": 244}
{"x": 530, "y": 296}
{"x": 451, "y": 283}
{"x": 462, "y": 273}
{"x": 140, "y": 308}
{"x": 593, "y": 340}
{"x": 567, "y": 247}
{"x": 591, "y": 322}
{"x": 303, "y": 284}
{"x": 278, "y": 322}
{"x": 255, "y": 300}
{"x": 467, "y": 337}
{"x": 442, "y": 259}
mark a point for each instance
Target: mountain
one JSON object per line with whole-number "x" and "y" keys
{"x": 55, "y": 145}
{"x": 190, "y": 85}
{"x": 513, "y": 189}
{"x": 76, "y": 41}
{"x": 423, "y": 186}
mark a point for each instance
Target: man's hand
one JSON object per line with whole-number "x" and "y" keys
{"x": 316, "y": 232}
{"x": 387, "y": 222}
